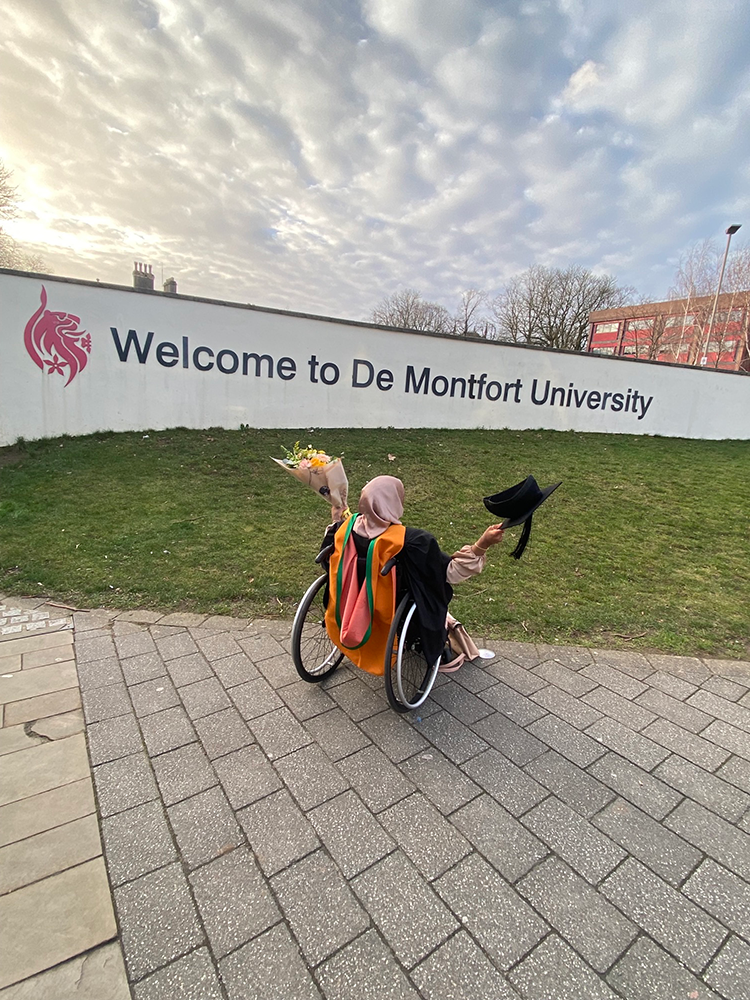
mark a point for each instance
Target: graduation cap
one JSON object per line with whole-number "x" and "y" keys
{"x": 517, "y": 505}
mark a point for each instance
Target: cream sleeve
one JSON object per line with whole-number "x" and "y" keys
{"x": 464, "y": 564}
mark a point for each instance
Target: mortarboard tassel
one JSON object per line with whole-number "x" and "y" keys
{"x": 523, "y": 540}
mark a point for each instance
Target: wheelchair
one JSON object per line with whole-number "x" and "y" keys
{"x": 408, "y": 677}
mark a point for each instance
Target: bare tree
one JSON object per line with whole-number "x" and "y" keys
{"x": 550, "y": 307}
{"x": 697, "y": 272}
{"x": 737, "y": 281}
{"x": 656, "y": 336}
{"x": 696, "y": 281}
{"x": 12, "y": 254}
{"x": 470, "y": 319}
{"x": 407, "y": 310}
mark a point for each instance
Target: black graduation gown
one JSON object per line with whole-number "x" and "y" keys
{"x": 421, "y": 568}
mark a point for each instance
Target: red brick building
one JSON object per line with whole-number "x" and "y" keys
{"x": 677, "y": 331}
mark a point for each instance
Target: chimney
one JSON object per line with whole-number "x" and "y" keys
{"x": 170, "y": 286}
{"x": 143, "y": 278}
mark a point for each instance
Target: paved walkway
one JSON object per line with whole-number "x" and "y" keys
{"x": 561, "y": 823}
{"x": 56, "y": 913}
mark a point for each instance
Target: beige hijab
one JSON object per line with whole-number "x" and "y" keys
{"x": 381, "y": 503}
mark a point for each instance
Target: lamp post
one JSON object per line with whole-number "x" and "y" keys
{"x": 730, "y": 233}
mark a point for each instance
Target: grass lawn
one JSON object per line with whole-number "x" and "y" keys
{"x": 645, "y": 545}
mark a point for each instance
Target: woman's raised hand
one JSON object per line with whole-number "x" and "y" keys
{"x": 492, "y": 536}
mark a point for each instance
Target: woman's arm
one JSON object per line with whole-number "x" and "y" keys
{"x": 469, "y": 561}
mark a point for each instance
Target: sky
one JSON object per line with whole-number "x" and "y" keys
{"x": 319, "y": 155}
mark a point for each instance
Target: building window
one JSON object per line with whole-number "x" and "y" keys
{"x": 679, "y": 321}
{"x": 639, "y": 324}
{"x": 606, "y": 327}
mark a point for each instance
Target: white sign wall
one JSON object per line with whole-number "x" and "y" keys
{"x": 79, "y": 357}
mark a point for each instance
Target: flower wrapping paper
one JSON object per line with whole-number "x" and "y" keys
{"x": 328, "y": 480}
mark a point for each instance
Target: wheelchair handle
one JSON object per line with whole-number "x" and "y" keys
{"x": 388, "y": 566}
{"x": 324, "y": 554}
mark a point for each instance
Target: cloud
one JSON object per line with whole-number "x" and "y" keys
{"x": 319, "y": 155}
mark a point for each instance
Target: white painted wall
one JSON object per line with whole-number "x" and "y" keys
{"x": 169, "y": 390}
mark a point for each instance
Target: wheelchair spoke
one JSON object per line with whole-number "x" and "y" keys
{"x": 408, "y": 678}
{"x": 313, "y": 653}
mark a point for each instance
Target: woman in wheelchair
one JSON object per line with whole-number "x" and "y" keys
{"x": 384, "y": 601}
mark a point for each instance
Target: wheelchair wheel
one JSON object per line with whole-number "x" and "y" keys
{"x": 313, "y": 653}
{"x": 408, "y": 679}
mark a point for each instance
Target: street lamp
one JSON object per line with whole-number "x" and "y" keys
{"x": 730, "y": 233}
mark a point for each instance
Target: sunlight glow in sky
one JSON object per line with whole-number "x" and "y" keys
{"x": 317, "y": 155}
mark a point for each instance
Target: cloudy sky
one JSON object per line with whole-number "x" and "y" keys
{"x": 318, "y": 155}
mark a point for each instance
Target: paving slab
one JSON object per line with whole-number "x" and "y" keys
{"x": 54, "y": 850}
{"x": 581, "y": 915}
{"x": 124, "y": 783}
{"x": 41, "y": 657}
{"x": 17, "y": 738}
{"x": 395, "y": 737}
{"x": 701, "y": 786}
{"x": 269, "y": 966}
{"x": 553, "y": 971}
{"x": 321, "y": 908}
{"x": 98, "y": 974}
{"x": 353, "y": 836}
{"x": 689, "y": 668}
{"x": 431, "y": 841}
{"x": 192, "y": 977}
{"x": 440, "y": 780}
{"x": 310, "y": 776}
{"x": 729, "y": 973}
{"x": 378, "y": 782}
{"x": 29, "y": 816}
{"x": 40, "y": 768}
{"x": 648, "y": 971}
{"x": 32, "y": 643}
{"x": 365, "y": 970}
{"x": 50, "y": 911}
{"x": 500, "y": 837}
{"x": 498, "y": 918}
{"x": 646, "y": 839}
{"x": 41, "y": 680}
{"x": 574, "y": 839}
{"x": 668, "y": 916}
{"x": 409, "y": 913}
{"x": 234, "y": 900}
{"x": 649, "y": 793}
{"x": 158, "y": 921}
{"x": 278, "y": 831}
{"x": 43, "y": 706}
{"x": 335, "y": 730}
{"x": 722, "y": 894}
{"x": 58, "y": 727}
{"x": 142, "y": 617}
{"x": 508, "y": 784}
{"x": 10, "y": 663}
{"x": 136, "y": 842}
{"x": 204, "y": 826}
{"x": 575, "y": 786}
{"x": 459, "y": 968}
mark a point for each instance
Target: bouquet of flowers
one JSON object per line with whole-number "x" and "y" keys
{"x": 321, "y": 473}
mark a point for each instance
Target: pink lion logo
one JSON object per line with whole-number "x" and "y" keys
{"x": 53, "y": 339}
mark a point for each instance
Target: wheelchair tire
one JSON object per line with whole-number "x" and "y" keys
{"x": 313, "y": 653}
{"x": 408, "y": 678}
